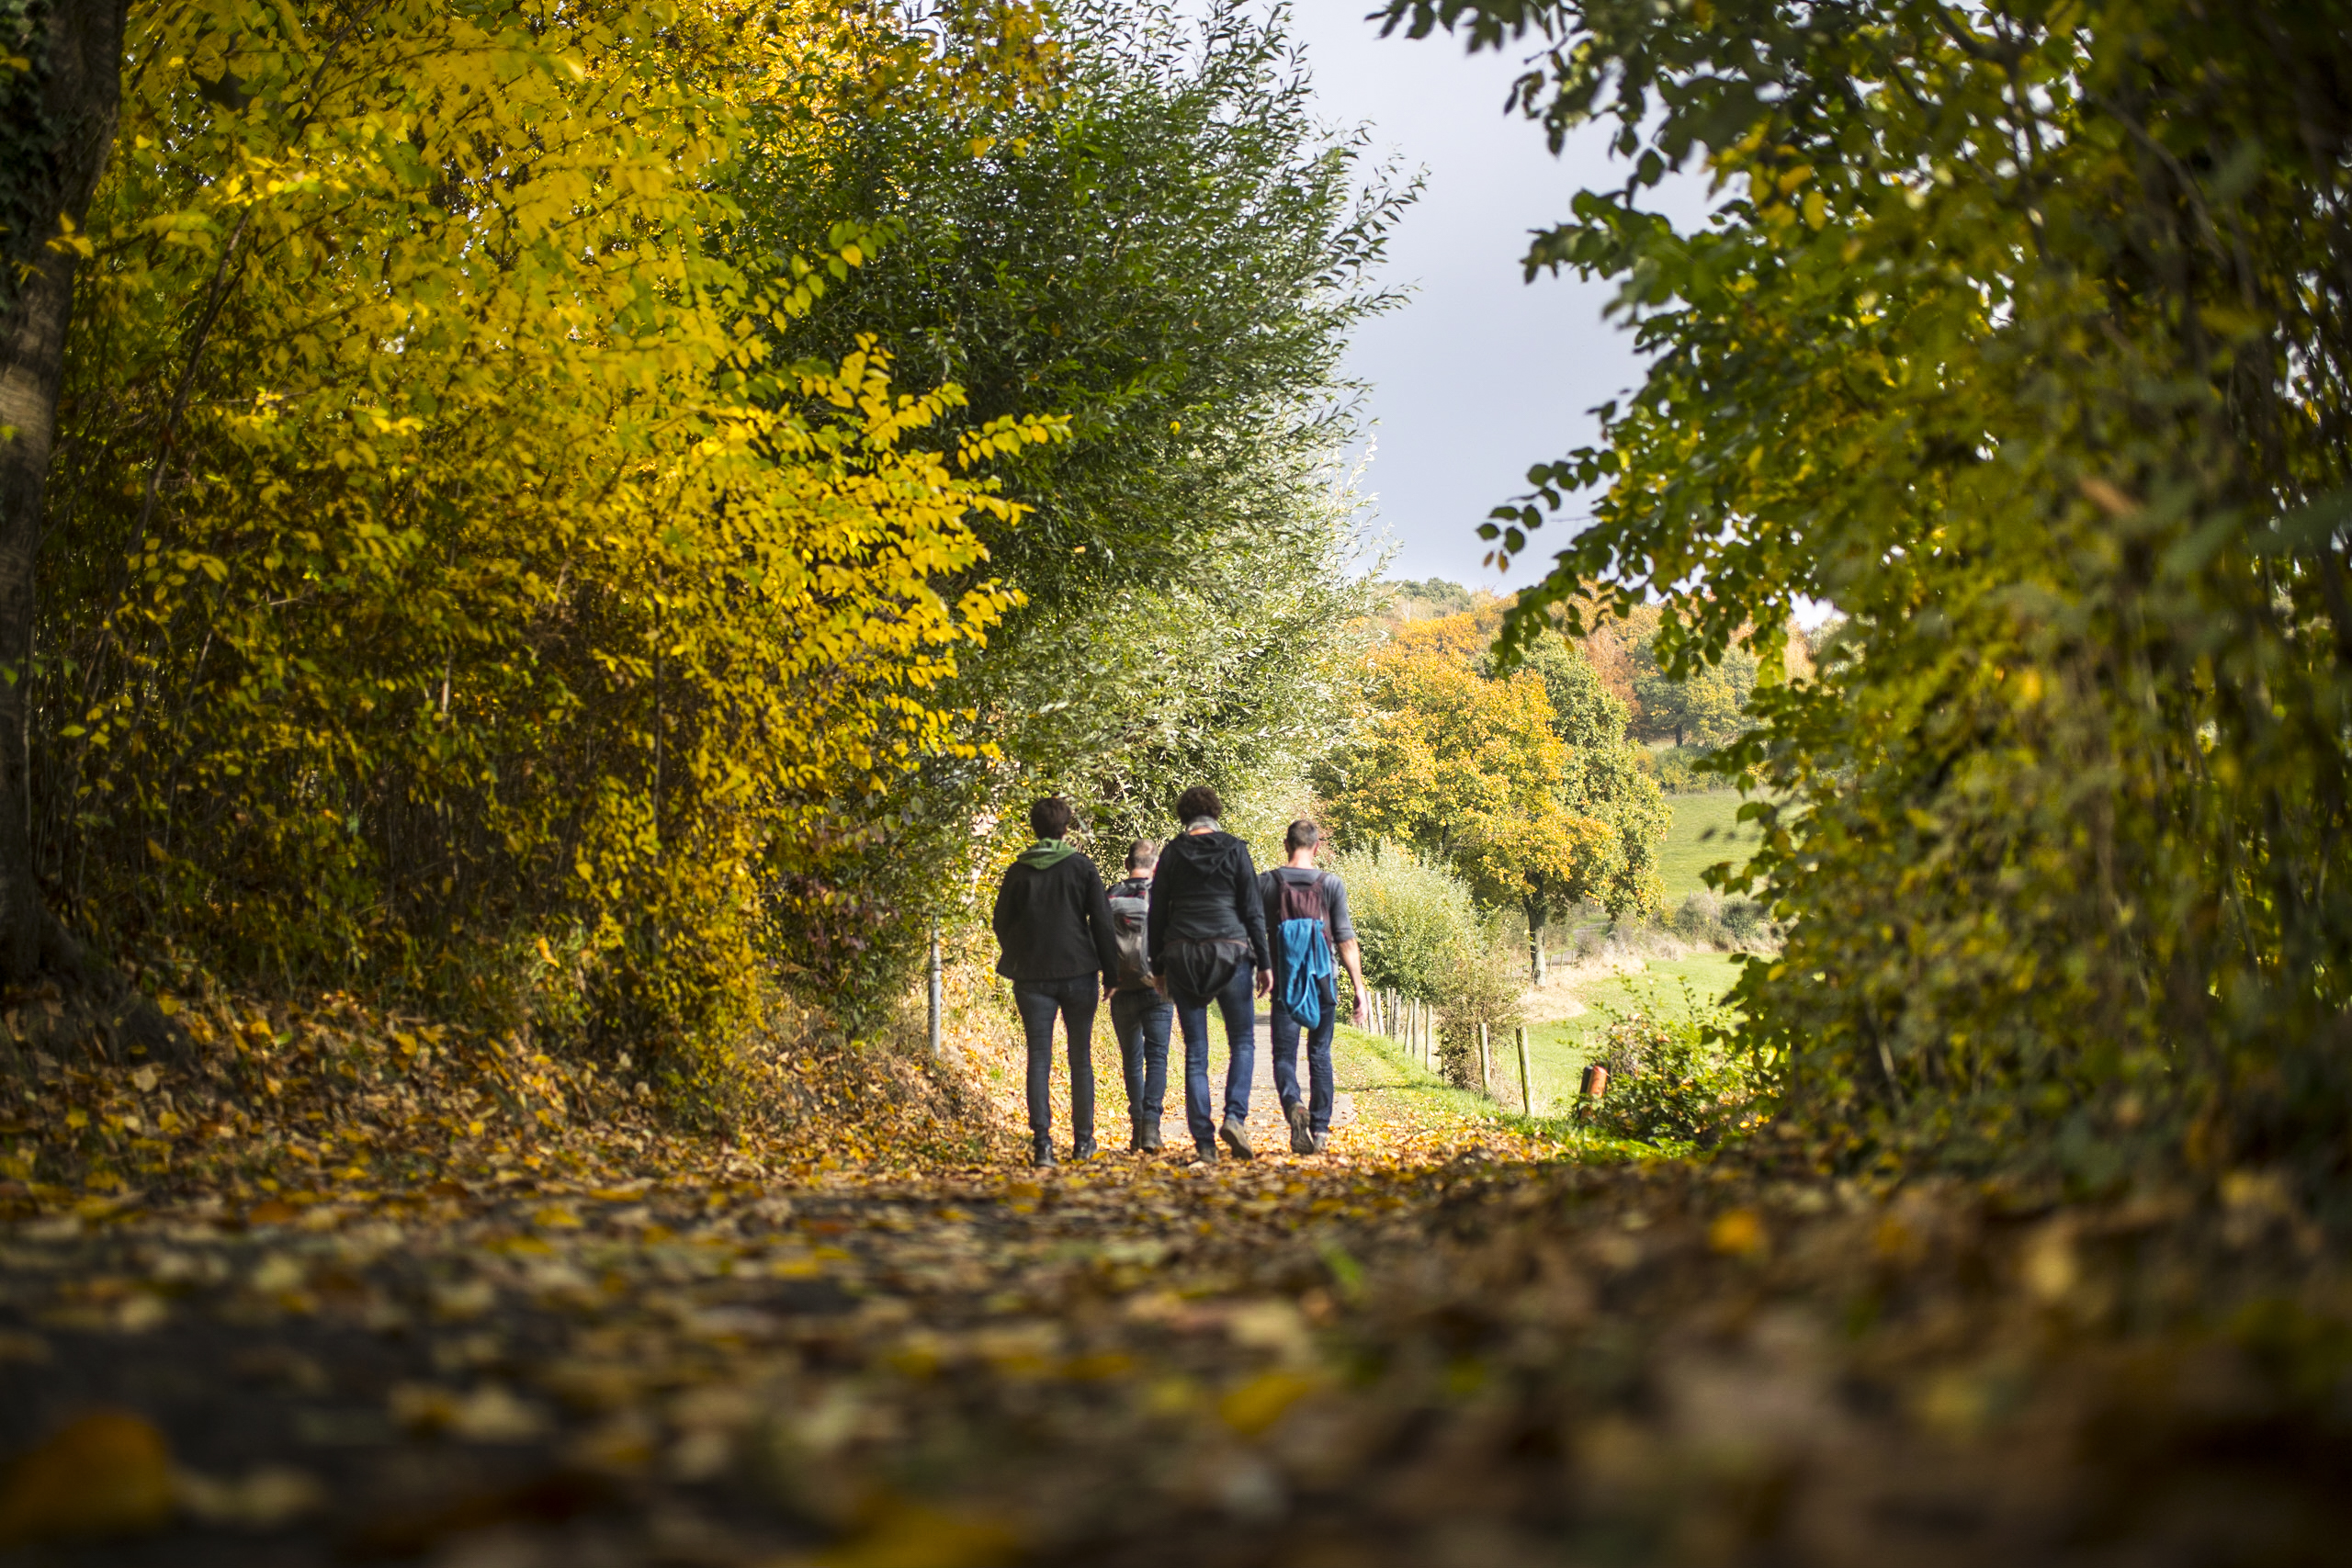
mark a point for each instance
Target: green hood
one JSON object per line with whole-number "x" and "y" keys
{"x": 1045, "y": 853}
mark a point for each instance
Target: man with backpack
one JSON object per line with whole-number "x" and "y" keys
{"x": 1141, "y": 1016}
{"x": 1306, "y": 923}
{"x": 1054, "y": 936}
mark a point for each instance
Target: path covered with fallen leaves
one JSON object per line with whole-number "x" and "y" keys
{"x": 1441, "y": 1343}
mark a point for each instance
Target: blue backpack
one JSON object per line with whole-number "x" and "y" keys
{"x": 1305, "y": 947}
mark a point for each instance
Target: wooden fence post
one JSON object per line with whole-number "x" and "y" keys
{"x": 1485, "y": 1065}
{"x": 1526, "y": 1091}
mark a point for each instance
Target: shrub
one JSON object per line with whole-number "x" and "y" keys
{"x": 1709, "y": 917}
{"x": 1417, "y": 921}
{"x": 1484, "y": 988}
{"x": 1679, "y": 1080}
{"x": 1676, "y": 774}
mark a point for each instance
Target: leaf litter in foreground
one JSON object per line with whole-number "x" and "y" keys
{"x": 1444, "y": 1343}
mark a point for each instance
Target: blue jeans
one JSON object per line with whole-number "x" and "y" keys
{"x": 1281, "y": 1039}
{"x": 1074, "y": 999}
{"x": 1140, "y": 1021}
{"x": 1241, "y": 1036}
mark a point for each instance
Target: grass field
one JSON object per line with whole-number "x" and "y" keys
{"x": 1704, "y": 831}
{"x": 1556, "y": 1051}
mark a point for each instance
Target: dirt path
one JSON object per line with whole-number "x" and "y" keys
{"x": 524, "y": 1373}
{"x": 1420, "y": 1349}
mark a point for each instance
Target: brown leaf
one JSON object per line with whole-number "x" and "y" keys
{"x": 548, "y": 1499}
{"x": 108, "y": 1473}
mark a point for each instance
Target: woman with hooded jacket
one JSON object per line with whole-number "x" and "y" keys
{"x": 1206, "y": 937}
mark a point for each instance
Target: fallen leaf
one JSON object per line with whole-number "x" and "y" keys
{"x": 105, "y": 1474}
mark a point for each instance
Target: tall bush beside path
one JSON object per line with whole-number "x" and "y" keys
{"x": 2019, "y": 334}
{"x": 1426, "y": 940}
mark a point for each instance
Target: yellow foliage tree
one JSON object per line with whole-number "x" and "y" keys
{"x": 1468, "y": 770}
{"x": 457, "y": 595}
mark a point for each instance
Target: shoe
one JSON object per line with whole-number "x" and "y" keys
{"x": 1151, "y": 1136}
{"x": 1041, "y": 1154}
{"x": 1302, "y": 1142}
{"x": 1082, "y": 1149}
{"x": 1317, "y": 1143}
{"x": 1204, "y": 1154}
{"x": 1236, "y": 1139}
{"x": 1136, "y": 1144}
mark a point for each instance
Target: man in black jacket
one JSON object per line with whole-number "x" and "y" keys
{"x": 1056, "y": 943}
{"x": 1208, "y": 944}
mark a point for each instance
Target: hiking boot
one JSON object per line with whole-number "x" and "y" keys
{"x": 1082, "y": 1149}
{"x": 1150, "y": 1136}
{"x": 1236, "y": 1139}
{"x": 1302, "y": 1142}
{"x": 1317, "y": 1143}
{"x": 1041, "y": 1154}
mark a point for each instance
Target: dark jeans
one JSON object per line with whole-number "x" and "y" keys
{"x": 1141, "y": 1021}
{"x": 1074, "y": 999}
{"x": 1281, "y": 1039}
{"x": 1241, "y": 1036}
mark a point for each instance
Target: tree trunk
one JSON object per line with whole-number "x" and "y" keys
{"x": 63, "y": 115}
{"x": 1535, "y": 942}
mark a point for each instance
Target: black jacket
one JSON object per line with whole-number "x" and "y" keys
{"x": 1205, "y": 890}
{"x": 1055, "y": 924}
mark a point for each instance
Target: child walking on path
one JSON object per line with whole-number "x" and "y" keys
{"x": 1306, "y": 923}
{"x": 1055, "y": 938}
{"x": 1207, "y": 939}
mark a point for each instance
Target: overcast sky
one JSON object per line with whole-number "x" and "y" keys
{"x": 1478, "y": 375}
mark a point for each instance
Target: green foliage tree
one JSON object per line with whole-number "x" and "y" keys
{"x": 1169, "y": 251}
{"x": 1433, "y": 597}
{"x": 2018, "y": 334}
{"x": 1703, "y": 707}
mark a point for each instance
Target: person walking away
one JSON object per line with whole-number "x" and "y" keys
{"x": 1207, "y": 939}
{"x": 1306, "y": 924}
{"x": 1141, "y": 1017}
{"x": 1054, "y": 935}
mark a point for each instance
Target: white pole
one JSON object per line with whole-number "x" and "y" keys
{"x": 938, "y": 990}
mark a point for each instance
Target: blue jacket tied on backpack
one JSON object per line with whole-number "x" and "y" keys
{"x": 1307, "y": 912}
{"x": 1307, "y": 969}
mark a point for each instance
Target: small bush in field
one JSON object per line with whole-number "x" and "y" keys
{"x": 1709, "y": 917}
{"x": 1677, "y": 1080}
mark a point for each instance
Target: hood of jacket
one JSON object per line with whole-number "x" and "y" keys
{"x": 1212, "y": 855}
{"x": 1047, "y": 853}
